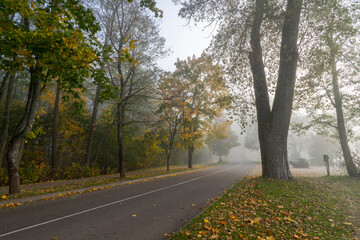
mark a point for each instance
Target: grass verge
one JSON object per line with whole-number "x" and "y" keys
{"x": 257, "y": 208}
{"x": 93, "y": 183}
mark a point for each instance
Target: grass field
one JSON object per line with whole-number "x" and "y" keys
{"x": 257, "y": 208}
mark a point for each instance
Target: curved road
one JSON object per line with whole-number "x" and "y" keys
{"x": 145, "y": 210}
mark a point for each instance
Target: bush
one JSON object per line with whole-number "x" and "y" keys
{"x": 35, "y": 172}
{"x": 4, "y": 177}
{"x": 78, "y": 171}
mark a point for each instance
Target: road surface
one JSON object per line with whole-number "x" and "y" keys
{"x": 145, "y": 210}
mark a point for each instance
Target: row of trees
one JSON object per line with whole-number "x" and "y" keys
{"x": 80, "y": 89}
{"x": 266, "y": 45}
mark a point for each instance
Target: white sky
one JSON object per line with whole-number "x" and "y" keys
{"x": 182, "y": 40}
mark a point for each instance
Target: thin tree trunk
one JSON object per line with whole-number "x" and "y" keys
{"x": 92, "y": 126}
{"x": 190, "y": 156}
{"x": 16, "y": 144}
{"x": 120, "y": 129}
{"x": 168, "y": 161}
{"x": 349, "y": 163}
{"x": 55, "y": 164}
{"x": 273, "y": 124}
{"x": 6, "y": 120}
{"x": 3, "y": 85}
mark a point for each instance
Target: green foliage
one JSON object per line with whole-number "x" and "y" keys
{"x": 144, "y": 151}
{"x": 79, "y": 171}
{"x": 34, "y": 171}
{"x": 4, "y": 177}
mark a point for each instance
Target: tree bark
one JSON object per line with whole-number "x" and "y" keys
{"x": 3, "y": 85}
{"x": 55, "y": 164}
{"x": 274, "y": 124}
{"x": 120, "y": 129}
{"x": 349, "y": 163}
{"x": 190, "y": 156}
{"x": 17, "y": 142}
{"x": 260, "y": 86}
{"x": 6, "y": 116}
{"x": 92, "y": 126}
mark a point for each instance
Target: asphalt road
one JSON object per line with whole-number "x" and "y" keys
{"x": 145, "y": 210}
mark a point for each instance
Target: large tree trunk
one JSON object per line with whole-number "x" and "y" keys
{"x": 190, "y": 156}
{"x": 92, "y": 126}
{"x": 274, "y": 124}
{"x": 6, "y": 116}
{"x": 55, "y": 164}
{"x": 260, "y": 86}
{"x": 16, "y": 144}
{"x": 349, "y": 163}
{"x": 120, "y": 129}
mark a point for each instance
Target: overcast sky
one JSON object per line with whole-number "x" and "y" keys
{"x": 183, "y": 40}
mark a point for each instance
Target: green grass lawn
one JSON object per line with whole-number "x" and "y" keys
{"x": 257, "y": 208}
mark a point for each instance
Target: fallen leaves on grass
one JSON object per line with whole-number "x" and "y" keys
{"x": 270, "y": 209}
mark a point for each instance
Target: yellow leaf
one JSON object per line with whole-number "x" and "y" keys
{"x": 133, "y": 215}
{"x": 3, "y": 197}
{"x": 206, "y": 221}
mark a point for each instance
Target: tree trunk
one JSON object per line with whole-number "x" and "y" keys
{"x": 190, "y": 156}
{"x": 120, "y": 130}
{"x": 92, "y": 126}
{"x": 55, "y": 164}
{"x": 2, "y": 86}
{"x": 16, "y": 144}
{"x": 349, "y": 163}
{"x": 274, "y": 124}
{"x": 168, "y": 161}
{"x": 260, "y": 86}
{"x": 6, "y": 120}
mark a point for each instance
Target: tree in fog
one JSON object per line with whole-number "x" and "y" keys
{"x": 222, "y": 146}
{"x": 331, "y": 62}
{"x": 59, "y": 49}
{"x": 240, "y": 33}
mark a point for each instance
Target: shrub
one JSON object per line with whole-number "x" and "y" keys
{"x": 76, "y": 170}
{"x": 34, "y": 172}
{"x": 4, "y": 177}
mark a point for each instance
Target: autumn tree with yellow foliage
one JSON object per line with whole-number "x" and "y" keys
{"x": 201, "y": 91}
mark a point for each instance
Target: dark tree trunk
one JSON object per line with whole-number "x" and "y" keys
{"x": 6, "y": 120}
{"x": 274, "y": 124}
{"x": 92, "y": 126}
{"x": 120, "y": 128}
{"x": 260, "y": 86}
{"x": 349, "y": 163}
{"x": 220, "y": 160}
{"x": 16, "y": 144}
{"x": 55, "y": 164}
{"x": 190, "y": 156}
{"x": 168, "y": 161}
{"x": 3, "y": 85}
